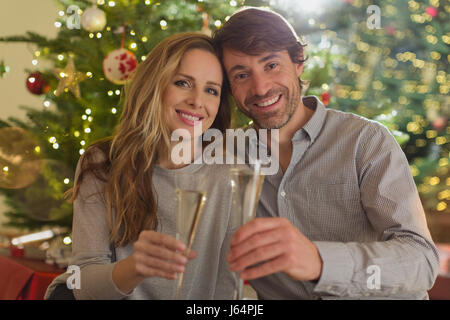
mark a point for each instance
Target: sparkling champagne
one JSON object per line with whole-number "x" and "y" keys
{"x": 246, "y": 186}
{"x": 190, "y": 208}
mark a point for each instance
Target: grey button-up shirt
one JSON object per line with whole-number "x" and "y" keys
{"x": 348, "y": 188}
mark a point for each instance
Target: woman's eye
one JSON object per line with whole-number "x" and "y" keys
{"x": 212, "y": 91}
{"x": 182, "y": 83}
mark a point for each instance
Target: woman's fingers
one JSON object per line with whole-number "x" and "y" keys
{"x": 160, "y": 255}
{"x": 160, "y": 252}
{"x": 162, "y": 239}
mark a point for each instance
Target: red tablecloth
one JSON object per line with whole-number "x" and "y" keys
{"x": 25, "y": 279}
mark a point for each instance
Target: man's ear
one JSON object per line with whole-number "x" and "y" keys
{"x": 299, "y": 68}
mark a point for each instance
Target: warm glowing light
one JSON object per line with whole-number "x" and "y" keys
{"x": 67, "y": 240}
{"x": 441, "y": 206}
{"x": 66, "y": 181}
{"x": 33, "y": 237}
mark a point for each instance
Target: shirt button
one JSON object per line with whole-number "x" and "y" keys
{"x": 283, "y": 194}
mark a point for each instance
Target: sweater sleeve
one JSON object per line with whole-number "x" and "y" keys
{"x": 91, "y": 250}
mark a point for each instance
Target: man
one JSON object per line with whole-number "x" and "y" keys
{"x": 342, "y": 217}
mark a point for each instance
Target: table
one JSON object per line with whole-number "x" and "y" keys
{"x": 28, "y": 279}
{"x": 25, "y": 279}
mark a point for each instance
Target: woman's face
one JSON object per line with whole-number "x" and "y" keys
{"x": 193, "y": 95}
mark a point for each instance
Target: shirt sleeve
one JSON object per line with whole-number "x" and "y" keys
{"x": 91, "y": 248}
{"x": 404, "y": 260}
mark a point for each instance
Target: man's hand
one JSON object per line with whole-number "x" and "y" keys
{"x": 278, "y": 246}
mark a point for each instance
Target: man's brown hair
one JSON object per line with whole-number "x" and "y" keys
{"x": 256, "y": 30}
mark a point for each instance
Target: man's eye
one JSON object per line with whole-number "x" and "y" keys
{"x": 240, "y": 76}
{"x": 272, "y": 65}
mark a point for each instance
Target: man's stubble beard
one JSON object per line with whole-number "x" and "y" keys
{"x": 291, "y": 106}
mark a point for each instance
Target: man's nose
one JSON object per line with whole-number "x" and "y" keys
{"x": 260, "y": 85}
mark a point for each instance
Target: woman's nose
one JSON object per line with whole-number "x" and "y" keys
{"x": 196, "y": 99}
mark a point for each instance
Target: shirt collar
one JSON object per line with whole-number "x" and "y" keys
{"x": 315, "y": 124}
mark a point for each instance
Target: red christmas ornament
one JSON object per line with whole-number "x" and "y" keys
{"x": 432, "y": 11}
{"x": 440, "y": 123}
{"x": 390, "y": 30}
{"x": 325, "y": 97}
{"x": 118, "y": 65}
{"x": 36, "y": 84}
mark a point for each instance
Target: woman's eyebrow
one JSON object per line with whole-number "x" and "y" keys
{"x": 193, "y": 79}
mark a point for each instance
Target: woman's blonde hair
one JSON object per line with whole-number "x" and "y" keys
{"x": 140, "y": 136}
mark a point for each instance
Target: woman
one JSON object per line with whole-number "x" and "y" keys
{"x": 124, "y": 187}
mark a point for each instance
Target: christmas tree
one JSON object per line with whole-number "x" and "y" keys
{"x": 385, "y": 60}
{"x": 85, "y": 91}
{"x": 389, "y": 63}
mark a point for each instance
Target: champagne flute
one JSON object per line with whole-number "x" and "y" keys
{"x": 190, "y": 191}
{"x": 246, "y": 187}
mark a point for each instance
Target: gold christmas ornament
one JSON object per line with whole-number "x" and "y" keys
{"x": 69, "y": 79}
{"x": 20, "y": 163}
{"x": 93, "y": 19}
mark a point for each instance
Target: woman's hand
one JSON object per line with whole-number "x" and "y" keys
{"x": 159, "y": 255}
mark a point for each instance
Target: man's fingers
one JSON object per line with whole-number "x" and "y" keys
{"x": 258, "y": 255}
{"x": 256, "y": 226}
{"x": 265, "y": 269}
{"x": 255, "y": 241}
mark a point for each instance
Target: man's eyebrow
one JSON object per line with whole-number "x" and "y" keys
{"x": 193, "y": 79}
{"x": 268, "y": 57}
{"x": 263, "y": 59}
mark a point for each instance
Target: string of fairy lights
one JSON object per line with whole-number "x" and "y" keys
{"x": 428, "y": 66}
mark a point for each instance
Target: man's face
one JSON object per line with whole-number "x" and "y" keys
{"x": 265, "y": 86}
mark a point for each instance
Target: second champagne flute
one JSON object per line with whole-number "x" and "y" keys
{"x": 190, "y": 192}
